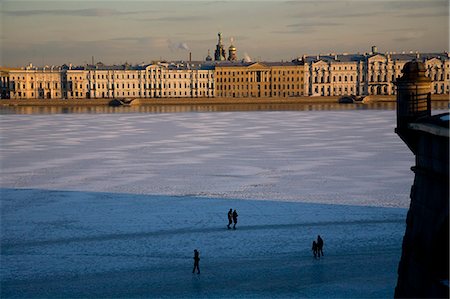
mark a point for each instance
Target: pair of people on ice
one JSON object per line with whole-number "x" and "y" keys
{"x": 232, "y": 217}
{"x": 317, "y": 247}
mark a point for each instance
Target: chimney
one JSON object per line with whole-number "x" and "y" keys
{"x": 190, "y": 56}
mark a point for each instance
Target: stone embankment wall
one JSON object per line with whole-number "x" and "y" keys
{"x": 199, "y": 101}
{"x": 423, "y": 271}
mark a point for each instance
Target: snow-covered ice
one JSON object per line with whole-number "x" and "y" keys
{"x": 347, "y": 157}
{"x": 112, "y": 205}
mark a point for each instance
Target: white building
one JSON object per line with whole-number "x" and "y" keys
{"x": 162, "y": 80}
{"x": 369, "y": 74}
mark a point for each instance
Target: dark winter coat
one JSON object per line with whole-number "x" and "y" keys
{"x": 319, "y": 242}
{"x": 230, "y": 215}
{"x": 314, "y": 246}
{"x": 196, "y": 257}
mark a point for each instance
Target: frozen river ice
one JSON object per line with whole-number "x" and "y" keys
{"x": 347, "y": 157}
{"x": 112, "y": 205}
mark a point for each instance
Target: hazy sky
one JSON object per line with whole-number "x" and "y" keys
{"x": 57, "y": 32}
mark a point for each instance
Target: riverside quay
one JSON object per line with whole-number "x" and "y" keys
{"x": 320, "y": 75}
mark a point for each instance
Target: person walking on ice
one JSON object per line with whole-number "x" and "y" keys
{"x": 314, "y": 249}
{"x": 230, "y": 218}
{"x": 196, "y": 261}
{"x": 319, "y": 245}
{"x": 235, "y": 215}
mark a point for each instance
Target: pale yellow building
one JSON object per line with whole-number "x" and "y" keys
{"x": 259, "y": 79}
{"x": 35, "y": 83}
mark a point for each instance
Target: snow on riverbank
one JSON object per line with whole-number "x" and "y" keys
{"x": 114, "y": 205}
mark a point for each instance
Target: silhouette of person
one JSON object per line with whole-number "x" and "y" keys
{"x": 235, "y": 215}
{"x": 196, "y": 261}
{"x": 230, "y": 218}
{"x": 314, "y": 249}
{"x": 319, "y": 245}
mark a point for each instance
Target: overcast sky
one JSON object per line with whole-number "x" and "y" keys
{"x": 57, "y": 32}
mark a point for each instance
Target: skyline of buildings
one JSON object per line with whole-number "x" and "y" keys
{"x": 333, "y": 74}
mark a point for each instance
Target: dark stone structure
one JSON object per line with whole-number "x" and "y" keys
{"x": 423, "y": 271}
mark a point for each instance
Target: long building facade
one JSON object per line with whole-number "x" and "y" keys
{"x": 369, "y": 74}
{"x": 321, "y": 75}
{"x": 166, "y": 80}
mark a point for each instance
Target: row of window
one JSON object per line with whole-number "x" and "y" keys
{"x": 259, "y": 94}
{"x": 324, "y": 91}
{"x": 149, "y": 76}
{"x": 336, "y": 90}
{"x": 373, "y": 66}
{"x": 335, "y": 68}
{"x": 39, "y": 95}
{"x": 265, "y": 79}
{"x": 251, "y": 73}
{"x": 47, "y": 85}
{"x": 55, "y": 78}
{"x": 146, "y": 86}
{"x": 77, "y": 94}
{"x": 265, "y": 87}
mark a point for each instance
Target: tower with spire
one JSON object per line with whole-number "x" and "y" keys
{"x": 219, "y": 54}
